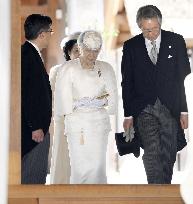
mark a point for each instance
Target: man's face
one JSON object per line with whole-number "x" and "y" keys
{"x": 150, "y": 28}
{"x": 45, "y": 36}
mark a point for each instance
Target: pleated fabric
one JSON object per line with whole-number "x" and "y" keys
{"x": 34, "y": 165}
{"x": 87, "y": 135}
{"x": 158, "y": 133}
{"x": 60, "y": 162}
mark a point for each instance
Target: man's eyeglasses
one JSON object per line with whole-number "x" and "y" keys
{"x": 49, "y": 31}
{"x": 153, "y": 30}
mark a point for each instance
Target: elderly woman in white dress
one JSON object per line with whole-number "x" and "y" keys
{"x": 86, "y": 93}
{"x": 60, "y": 164}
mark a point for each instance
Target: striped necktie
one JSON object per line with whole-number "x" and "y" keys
{"x": 153, "y": 53}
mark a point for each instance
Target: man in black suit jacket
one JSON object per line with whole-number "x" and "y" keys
{"x": 36, "y": 102}
{"x": 154, "y": 65}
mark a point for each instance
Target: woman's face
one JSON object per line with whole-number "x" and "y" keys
{"x": 89, "y": 54}
{"x": 74, "y": 53}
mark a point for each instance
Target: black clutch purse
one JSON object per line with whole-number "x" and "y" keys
{"x": 124, "y": 147}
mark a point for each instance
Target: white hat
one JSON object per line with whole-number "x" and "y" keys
{"x": 73, "y": 36}
{"x": 90, "y": 39}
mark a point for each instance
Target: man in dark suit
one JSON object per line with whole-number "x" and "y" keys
{"x": 36, "y": 101}
{"x": 154, "y": 65}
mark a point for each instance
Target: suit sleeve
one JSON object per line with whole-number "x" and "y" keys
{"x": 183, "y": 71}
{"x": 127, "y": 81}
{"x": 63, "y": 96}
{"x": 32, "y": 92}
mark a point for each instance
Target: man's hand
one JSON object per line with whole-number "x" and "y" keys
{"x": 38, "y": 135}
{"x": 127, "y": 123}
{"x": 184, "y": 121}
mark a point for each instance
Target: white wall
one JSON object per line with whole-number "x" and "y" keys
{"x": 85, "y": 14}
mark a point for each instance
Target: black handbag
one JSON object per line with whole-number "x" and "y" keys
{"x": 124, "y": 147}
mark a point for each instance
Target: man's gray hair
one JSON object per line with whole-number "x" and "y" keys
{"x": 90, "y": 39}
{"x": 148, "y": 12}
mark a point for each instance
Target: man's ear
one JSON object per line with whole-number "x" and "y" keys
{"x": 41, "y": 35}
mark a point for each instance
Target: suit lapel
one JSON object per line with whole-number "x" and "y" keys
{"x": 143, "y": 49}
{"x": 163, "y": 46}
{"x": 35, "y": 52}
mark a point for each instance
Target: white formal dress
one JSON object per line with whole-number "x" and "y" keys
{"x": 87, "y": 128}
{"x": 60, "y": 162}
{"x": 187, "y": 185}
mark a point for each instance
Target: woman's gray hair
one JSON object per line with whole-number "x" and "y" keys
{"x": 147, "y": 12}
{"x": 90, "y": 39}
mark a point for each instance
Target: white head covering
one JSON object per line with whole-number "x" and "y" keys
{"x": 90, "y": 39}
{"x": 73, "y": 36}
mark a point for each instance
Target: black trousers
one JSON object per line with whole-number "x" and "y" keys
{"x": 34, "y": 165}
{"x": 158, "y": 134}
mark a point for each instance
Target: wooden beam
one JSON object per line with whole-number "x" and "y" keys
{"x": 122, "y": 22}
{"x": 116, "y": 19}
{"x": 23, "y": 201}
{"x": 98, "y": 194}
{"x": 123, "y": 36}
{"x": 53, "y": 49}
{"x": 110, "y": 10}
{"x": 28, "y": 9}
{"x": 109, "y": 201}
{"x": 29, "y": 2}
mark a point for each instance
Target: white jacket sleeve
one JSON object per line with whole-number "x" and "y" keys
{"x": 108, "y": 75}
{"x": 52, "y": 76}
{"x": 63, "y": 99}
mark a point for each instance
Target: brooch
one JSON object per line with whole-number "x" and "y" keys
{"x": 99, "y": 73}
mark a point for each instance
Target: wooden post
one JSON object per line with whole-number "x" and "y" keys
{"x": 15, "y": 116}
